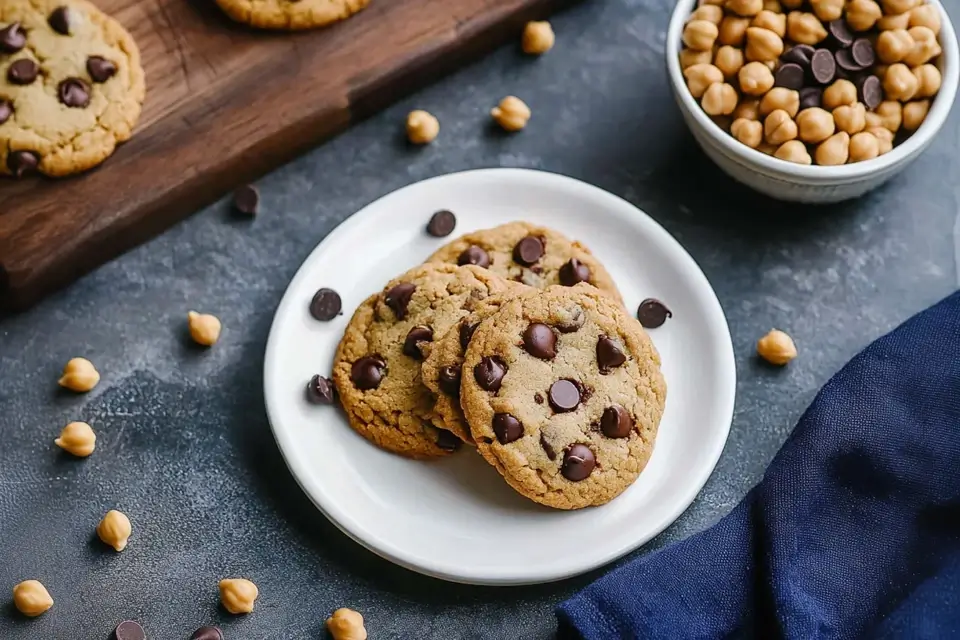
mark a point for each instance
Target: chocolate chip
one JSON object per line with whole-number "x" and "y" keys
{"x": 564, "y": 396}
{"x": 6, "y": 110}
{"x": 367, "y": 372}
{"x": 790, "y": 76}
{"x": 325, "y": 305}
{"x": 574, "y": 272}
{"x": 540, "y": 341}
{"x": 616, "y": 422}
{"x": 74, "y": 92}
{"x": 100, "y": 69}
{"x": 474, "y": 255}
{"x": 23, "y": 71}
{"x": 863, "y": 53}
{"x": 528, "y": 250}
{"x": 652, "y": 313}
{"x": 489, "y": 373}
{"x": 609, "y": 354}
{"x": 810, "y": 97}
{"x": 839, "y": 35}
{"x": 12, "y": 38}
{"x": 411, "y": 345}
{"x": 22, "y": 163}
{"x": 845, "y": 61}
{"x": 246, "y": 200}
{"x": 442, "y": 224}
{"x": 207, "y": 633}
{"x": 129, "y": 630}
{"x": 447, "y": 441}
{"x": 398, "y": 298}
{"x": 466, "y": 332}
{"x": 506, "y": 428}
{"x": 569, "y": 319}
{"x": 578, "y": 463}
{"x": 870, "y": 91}
{"x": 449, "y": 380}
{"x": 59, "y": 20}
{"x": 538, "y": 397}
{"x": 320, "y": 390}
{"x": 800, "y": 54}
{"x": 823, "y": 67}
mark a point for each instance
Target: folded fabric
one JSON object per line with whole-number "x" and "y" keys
{"x": 854, "y": 531}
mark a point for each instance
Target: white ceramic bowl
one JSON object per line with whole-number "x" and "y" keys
{"x": 801, "y": 183}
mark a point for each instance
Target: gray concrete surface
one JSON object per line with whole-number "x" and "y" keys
{"x": 184, "y": 445}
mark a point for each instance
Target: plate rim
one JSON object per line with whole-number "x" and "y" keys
{"x": 341, "y": 520}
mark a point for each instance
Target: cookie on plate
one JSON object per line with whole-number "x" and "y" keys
{"x": 377, "y": 366}
{"x": 563, "y": 394}
{"x": 536, "y": 256}
{"x": 71, "y": 86}
{"x": 290, "y": 14}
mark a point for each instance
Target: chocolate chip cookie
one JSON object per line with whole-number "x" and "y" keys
{"x": 535, "y": 256}
{"x": 71, "y": 86}
{"x": 290, "y": 14}
{"x": 563, "y": 394}
{"x": 377, "y": 366}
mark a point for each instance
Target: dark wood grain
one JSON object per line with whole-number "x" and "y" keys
{"x": 225, "y": 104}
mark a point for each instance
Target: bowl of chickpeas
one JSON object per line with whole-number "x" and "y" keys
{"x": 813, "y": 101}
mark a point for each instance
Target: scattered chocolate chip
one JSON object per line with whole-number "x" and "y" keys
{"x": 442, "y": 224}
{"x": 12, "y": 38}
{"x": 578, "y": 463}
{"x": 449, "y": 380}
{"x": 367, "y": 372}
{"x": 540, "y": 341}
{"x": 547, "y": 447}
{"x": 320, "y": 390}
{"x": 845, "y": 61}
{"x": 129, "y": 630}
{"x": 246, "y": 200}
{"x": 538, "y": 397}
{"x": 23, "y": 71}
{"x": 207, "y": 633}
{"x": 22, "y": 163}
{"x": 447, "y": 441}
{"x": 416, "y": 335}
{"x": 569, "y": 319}
{"x": 863, "y": 53}
{"x": 489, "y": 373}
{"x": 474, "y": 255}
{"x": 59, "y": 20}
{"x": 325, "y": 305}
{"x": 652, "y": 313}
{"x": 466, "y": 332}
{"x": 528, "y": 250}
{"x": 870, "y": 91}
{"x": 810, "y": 97}
{"x": 616, "y": 422}
{"x": 823, "y": 67}
{"x": 574, "y": 272}
{"x": 100, "y": 69}
{"x": 74, "y": 92}
{"x": 839, "y": 35}
{"x": 506, "y": 428}
{"x": 6, "y": 110}
{"x": 398, "y": 298}
{"x": 799, "y": 54}
{"x": 564, "y": 396}
{"x": 609, "y": 354}
{"x": 789, "y": 76}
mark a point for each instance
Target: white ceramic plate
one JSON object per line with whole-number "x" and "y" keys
{"x": 455, "y": 518}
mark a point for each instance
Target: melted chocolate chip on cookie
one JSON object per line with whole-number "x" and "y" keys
{"x": 368, "y": 372}
{"x": 540, "y": 341}
{"x": 574, "y": 272}
{"x": 398, "y": 298}
{"x": 449, "y": 380}
{"x": 507, "y": 428}
{"x": 609, "y": 354}
{"x": 564, "y": 395}
{"x": 447, "y": 441}
{"x": 528, "y": 250}
{"x": 489, "y": 373}
{"x": 100, "y": 69}
{"x": 578, "y": 463}
{"x": 74, "y": 92}
{"x": 466, "y": 332}
{"x": 23, "y": 71}
{"x": 6, "y": 110}
{"x": 411, "y": 345}
{"x": 59, "y": 20}
{"x": 616, "y": 422}
{"x": 12, "y": 38}
{"x": 474, "y": 255}
{"x": 22, "y": 163}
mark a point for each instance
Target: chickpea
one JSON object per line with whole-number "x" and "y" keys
{"x": 749, "y": 132}
{"x": 863, "y": 14}
{"x": 805, "y": 28}
{"x": 709, "y": 12}
{"x": 850, "y": 118}
{"x": 773, "y": 6}
{"x": 864, "y": 146}
{"x": 690, "y": 57}
{"x": 701, "y": 76}
{"x": 763, "y": 45}
{"x": 880, "y": 70}
{"x": 700, "y": 35}
{"x": 776, "y": 22}
{"x": 925, "y": 15}
{"x": 873, "y": 120}
{"x": 815, "y": 125}
{"x": 729, "y": 60}
{"x": 891, "y": 115}
{"x": 834, "y": 151}
{"x": 794, "y": 151}
{"x": 538, "y": 36}
{"x": 749, "y": 108}
{"x": 31, "y": 598}
{"x": 720, "y": 99}
{"x": 928, "y": 81}
{"x": 894, "y": 7}
{"x": 925, "y": 47}
{"x": 839, "y": 93}
{"x": 237, "y": 595}
{"x": 755, "y": 79}
{"x": 779, "y": 127}
{"x": 914, "y": 113}
{"x": 894, "y": 45}
{"x": 827, "y": 10}
{"x": 901, "y": 21}
{"x": 780, "y": 98}
{"x": 745, "y": 8}
{"x": 899, "y": 83}
{"x": 884, "y": 139}
{"x": 733, "y": 31}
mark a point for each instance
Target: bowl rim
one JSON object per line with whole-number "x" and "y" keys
{"x": 939, "y": 110}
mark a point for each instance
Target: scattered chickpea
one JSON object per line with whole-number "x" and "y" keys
{"x": 709, "y": 12}
{"x": 512, "y": 113}
{"x": 926, "y": 47}
{"x": 763, "y": 45}
{"x": 914, "y": 113}
{"x": 894, "y": 45}
{"x": 775, "y": 22}
{"x": 700, "y": 35}
{"x": 805, "y": 28}
{"x": 863, "y": 14}
{"x": 720, "y": 99}
{"x": 780, "y": 98}
{"x": 733, "y": 31}
{"x": 31, "y": 598}
{"x": 779, "y": 127}
{"x": 749, "y": 132}
{"x": 204, "y": 328}
{"x": 794, "y": 151}
{"x": 114, "y": 529}
{"x": 729, "y": 60}
{"x": 815, "y": 125}
{"x": 894, "y": 7}
{"x": 864, "y": 146}
{"x": 850, "y": 118}
{"x": 899, "y": 83}
{"x": 827, "y": 10}
{"x": 422, "y": 127}
{"x": 776, "y": 347}
{"x": 346, "y": 624}
{"x": 755, "y": 79}
{"x": 928, "y": 81}
{"x": 891, "y": 115}
{"x": 748, "y": 108}
{"x": 925, "y": 15}
{"x": 538, "y": 36}
{"x": 901, "y": 21}
{"x": 701, "y": 76}
{"x": 690, "y": 57}
{"x": 79, "y": 375}
{"x": 835, "y": 150}
{"x": 745, "y": 8}
{"x": 839, "y": 93}
{"x": 884, "y": 138}
{"x": 238, "y": 595}
{"x": 78, "y": 439}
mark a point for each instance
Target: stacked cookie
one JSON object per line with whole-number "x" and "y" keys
{"x": 515, "y": 340}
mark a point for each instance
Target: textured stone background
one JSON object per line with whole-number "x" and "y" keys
{"x": 184, "y": 445}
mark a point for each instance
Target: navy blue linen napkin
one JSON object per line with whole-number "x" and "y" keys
{"x": 854, "y": 531}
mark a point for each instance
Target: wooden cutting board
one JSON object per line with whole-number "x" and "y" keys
{"x": 225, "y": 104}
